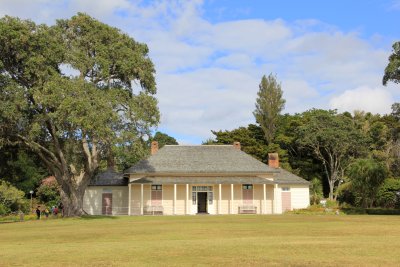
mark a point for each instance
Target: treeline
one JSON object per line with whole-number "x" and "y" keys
{"x": 335, "y": 151}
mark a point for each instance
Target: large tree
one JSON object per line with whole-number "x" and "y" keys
{"x": 269, "y": 104}
{"x": 72, "y": 92}
{"x": 333, "y": 140}
{"x": 392, "y": 70}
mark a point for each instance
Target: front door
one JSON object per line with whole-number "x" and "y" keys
{"x": 202, "y": 202}
{"x": 107, "y": 204}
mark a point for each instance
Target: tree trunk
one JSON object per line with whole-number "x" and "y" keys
{"x": 72, "y": 197}
{"x": 331, "y": 187}
{"x": 72, "y": 204}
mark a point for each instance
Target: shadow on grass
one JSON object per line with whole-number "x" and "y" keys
{"x": 98, "y": 217}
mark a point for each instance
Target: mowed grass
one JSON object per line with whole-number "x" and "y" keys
{"x": 248, "y": 240}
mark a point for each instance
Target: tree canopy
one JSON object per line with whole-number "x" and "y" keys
{"x": 269, "y": 104}
{"x": 392, "y": 70}
{"x": 164, "y": 139}
{"x": 366, "y": 175}
{"x": 72, "y": 122}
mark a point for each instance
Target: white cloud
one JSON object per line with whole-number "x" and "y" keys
{"x": 374, "y": 100}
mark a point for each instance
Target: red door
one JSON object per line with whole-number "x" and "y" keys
{"x": 107, "y": 204}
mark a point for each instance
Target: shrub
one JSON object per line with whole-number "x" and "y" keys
{"x": 49, "y": 194}
{"x": 4, "y": 210}
{"x": 332, "y": 204}
{"x": 11, "y": 199}
{"x": 387, "y": 196}
{"x": 378, "y": 211}
{"x": 315, "y": 191}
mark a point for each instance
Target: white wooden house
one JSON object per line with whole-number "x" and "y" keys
{"x": 208, "y": 179}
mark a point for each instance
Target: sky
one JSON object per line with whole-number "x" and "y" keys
{"x": 210, "y": 55}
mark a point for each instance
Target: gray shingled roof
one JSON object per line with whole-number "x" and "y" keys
{"x": 109, "y": 178}
{"x": 286, "y": 177}
{"x": 200, "y": 159}
{"x": 202, "y": 180}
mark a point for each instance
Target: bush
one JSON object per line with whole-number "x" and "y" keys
{"x": 378, "y": 211}
{"x": 387, "y": 194}
{"x": 49, "y": 194}
{"x": 11, "y": 199}
{"x": 332, "y": 204}
{"x": 4, "y": 210}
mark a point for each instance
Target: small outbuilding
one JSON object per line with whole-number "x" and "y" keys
{"x": 207, "y": 179}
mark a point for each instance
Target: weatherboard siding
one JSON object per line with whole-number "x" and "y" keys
{"x": 92, "y": 200}
{"x": 300, "y": 197}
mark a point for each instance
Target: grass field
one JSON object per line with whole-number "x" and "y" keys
{"x": 248, "y": 240}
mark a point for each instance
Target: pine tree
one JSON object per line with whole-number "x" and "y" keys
{"x": 269, "y": 104}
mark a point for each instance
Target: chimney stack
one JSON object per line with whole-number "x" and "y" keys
{"x": 273, "y": 160}
{"x": 237, "y": 145}
{"x": 154, "y": 147}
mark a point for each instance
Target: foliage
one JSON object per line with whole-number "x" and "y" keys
{"x": 247, "y": 138}
{"x": 392, "y": 70}
{"x": 366, "y": 175}
{"x": 70, "y": 122}
{"x": 269, "y": 104}
{"x": 11, "y": 199}
{"x": 21, "y": 168}
{"x": 164, "y": 139}
{"x": 332, "y": 139}
{"x": 315, "y": 191}
{"x": 388, "y": 195}
{"x": 49, "y": 194}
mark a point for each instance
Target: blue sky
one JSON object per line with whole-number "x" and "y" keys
{"x": 210, "y": 55}
{"x": 367, "y": 16}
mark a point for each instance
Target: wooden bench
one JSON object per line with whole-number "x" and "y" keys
{"x": 153, "y": 210}
{"x": 247, "y": 209}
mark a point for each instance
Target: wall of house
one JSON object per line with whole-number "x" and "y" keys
{"x": 237, "y": 198}
{"x": 168, "y": 199}
{"x": 300, "y": 196}
{"x": 135, "y": 199}
{"x": 92, "y": 200}
{"x": 180, "y": 199}
{"x": 225, "y": 199}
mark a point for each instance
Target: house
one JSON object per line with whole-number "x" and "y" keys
{"x": 208, "y": 179}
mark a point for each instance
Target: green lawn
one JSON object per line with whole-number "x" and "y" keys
{"x": 248, "y": 240}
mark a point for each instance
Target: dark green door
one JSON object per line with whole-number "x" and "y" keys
{"x": 202, "y": 202}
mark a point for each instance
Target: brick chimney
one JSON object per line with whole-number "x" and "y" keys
{"x": 154, "y": 147}
{"x": 273, "y": 160}
{"x": 237, "y": 145}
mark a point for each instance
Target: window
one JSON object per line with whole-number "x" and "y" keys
{"x": 285, "y": 189}
{"x": 156, "y": 195}
{"x": 248, "y": 186}
{"x": 156, "y": 187}
{"x": 202, "y": 188}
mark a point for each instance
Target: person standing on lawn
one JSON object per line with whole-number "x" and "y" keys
{"x": 46, "y": 212}
{"x": 38, "y": 212}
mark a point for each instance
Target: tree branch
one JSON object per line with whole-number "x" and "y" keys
{"x": 38, "y": 148}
